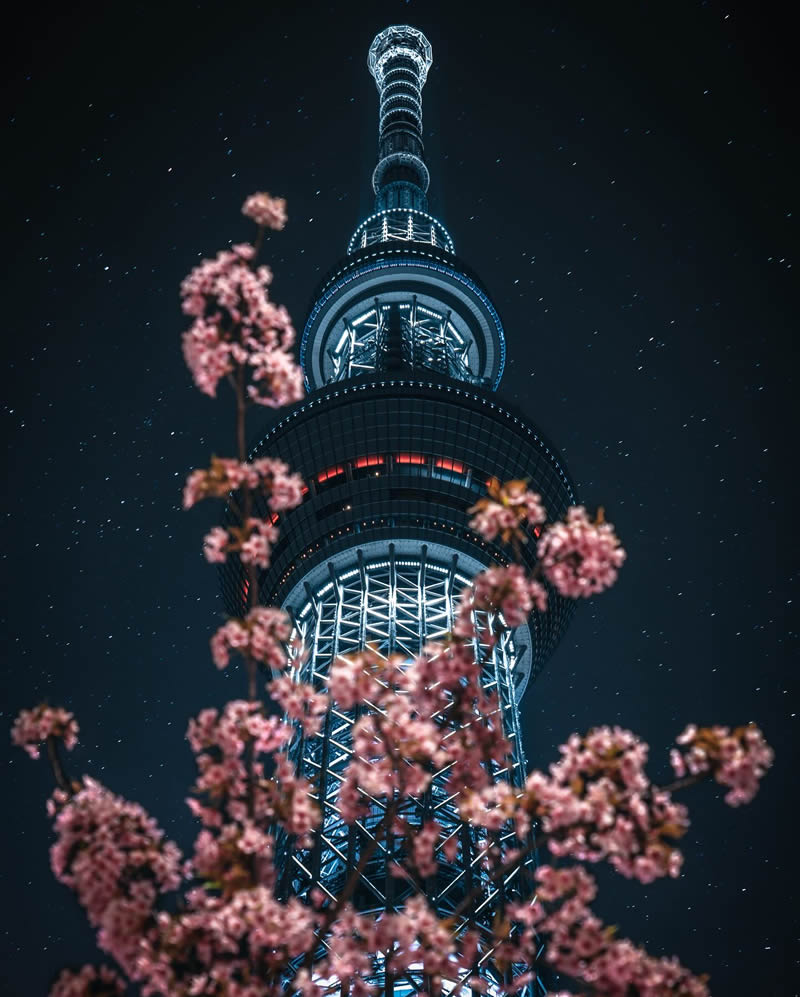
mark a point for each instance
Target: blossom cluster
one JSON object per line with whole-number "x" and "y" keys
{"x": 580, "y": 946}
{"x": 237, "y": 946}
{"x": 580, "y": 557}
{"x": 505, "y": 512}
{"x": 413, "y": 938}
{"x": 265, "y": 210}
{"x": 236, "y": 328}
{"x": 396, "y": 747}
{"x": 300, "y": 701}
{"x": 432, "y": 714}
{"x": 33, "y": 727}
{"x": 261, "y": 635}
{"x": 231, "y": 784}
{"x": 506, "y": 590}
{"x": 267, "y": 475}
{"x": 598, "y": 803}
{"x": 114, "y": 856}
{"x": 253, "y": 542}
{"x": 89, "y": 981}
{"x": 737, "y": 758}
{"x": 237, "y": 332}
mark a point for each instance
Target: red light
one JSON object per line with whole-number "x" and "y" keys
{"x": 450, "y": 465}
{"x": 409, "y": 458}
{"x": 273, "y": 518}
{"x": 367, "y": 461}
{"x": 304, "y": 490}
{"x": 537, "y": 531}
{"x": 332, "y": 472}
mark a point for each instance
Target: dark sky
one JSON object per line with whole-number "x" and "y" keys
{"x": 623, "y": 178}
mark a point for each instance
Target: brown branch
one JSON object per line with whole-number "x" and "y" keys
{"x": 57, "y": 765}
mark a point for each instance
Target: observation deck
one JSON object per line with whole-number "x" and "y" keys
{"x": 400, "y": 460}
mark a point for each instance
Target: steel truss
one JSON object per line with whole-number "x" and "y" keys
{"x": 428, "y": 339}
{"x": 394, "y": 605}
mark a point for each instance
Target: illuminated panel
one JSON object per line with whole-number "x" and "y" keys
{"x": 367, "y": 461}
{"x": 409, "y": 458}
{"x": 446, "y": 464}
{"x": 332, "y": 472}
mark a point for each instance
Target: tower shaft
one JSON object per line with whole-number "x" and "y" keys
{"x": 399, "y": 436}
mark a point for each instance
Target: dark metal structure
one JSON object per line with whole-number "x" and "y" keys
{"x": 399, "y": 435}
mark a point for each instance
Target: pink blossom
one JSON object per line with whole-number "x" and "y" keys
{"x": 507, "y": 509}
{"x": 354, "y": 679}
{"x": 580, "y": 557}
{"x": 581, "y": 947}
{"x": 236, "y": 327}
{"x": 198, "y": 951}
{"x": 32, "y": 727}
{"x": 738, "y": 759}
{"x": 423, "y": 842}
{"x": 220, "y": 742}
{"x": 276, "y": 379}
{"x": 285, "y": 490}
{"x": 113, "y": 855}
{"x": 266, "y": 475}
{"x": 300, "y": 702}
{"x": 256, "y": 547}
{"x": 89, "y": 981}
{"x": 266, "y": 210}
{"x": 504, "y": 590}
{"x": 215, "y": 545}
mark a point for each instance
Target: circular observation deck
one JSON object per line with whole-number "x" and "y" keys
{"x": 402, "y": 303}
{"x": 398, "y": 462}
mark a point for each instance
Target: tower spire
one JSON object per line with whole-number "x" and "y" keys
{"x": 399, "y": 59}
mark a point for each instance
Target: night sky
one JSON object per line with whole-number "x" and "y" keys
{"x": 621, "y": 176}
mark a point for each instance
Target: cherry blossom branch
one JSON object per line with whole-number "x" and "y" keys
{"x": 59, "y": 773}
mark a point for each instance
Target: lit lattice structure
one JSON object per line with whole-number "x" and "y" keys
{"x": 399, "y": 435}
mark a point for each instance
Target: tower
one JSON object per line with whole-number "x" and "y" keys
{"x": 399, "y": 435}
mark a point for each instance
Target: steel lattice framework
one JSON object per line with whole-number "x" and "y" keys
{"x": 428, "y": 338}
{"x": 394, "y": 606}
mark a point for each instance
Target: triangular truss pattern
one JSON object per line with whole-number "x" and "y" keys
{"x": 426, "y": 337}
{"x": 395, "y": 605}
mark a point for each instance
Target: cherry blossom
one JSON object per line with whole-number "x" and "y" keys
{"x": 115, "y": 858}
{"x": 507, "y": 509}
{"x": 253, "y": 542}
{"x": 32, "y": 727}
{"x": 423, "y": 844}
{"x": 225, "y": 475}
{"x": 266, "y": 210}
{"x": 215, "y": 545}
{"x": 261, "y": 635}
{"x": 581, "y": 947}
{"x": 89, "y": 981}
{"x": 738, "y": 758}
{"x": 300, "y": 702}
{"x": 236, "y": 327}
{"x": 237, "y": 332}
{"x": 504, "y": 590}
{"x": 277, "y": 379}
{"x": 579, "y": 557}
{"x": 210, "y": 948}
